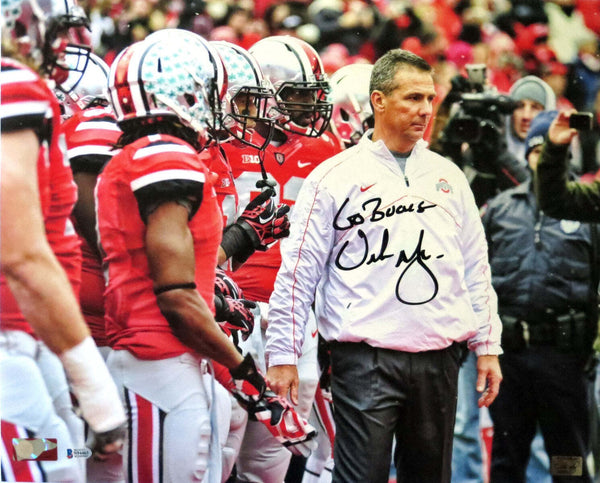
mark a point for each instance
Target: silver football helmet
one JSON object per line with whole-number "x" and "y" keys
{"x": 43, "y": 29}
{"x": 168, "y": 75}
{"x": 249, "y": 96}
{"x": 216, "y": 89}
{"x": 352, "y": 113}
{"x": 86, "y": 86}
{"x": 296, "y": 72}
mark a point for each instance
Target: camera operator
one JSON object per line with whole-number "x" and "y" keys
{"x": 485, "y": 131}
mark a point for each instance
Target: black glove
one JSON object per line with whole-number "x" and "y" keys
{"x": 106, "y": 443}
{"x": 259, "y": 225}
{"x": 234, "y": 314}
{"x": 225, "y": 285}
{"x": 263, "y": 221}
{"x": 248, "y": 383}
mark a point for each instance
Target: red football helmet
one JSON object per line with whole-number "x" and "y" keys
{"x": 301, "y": 87}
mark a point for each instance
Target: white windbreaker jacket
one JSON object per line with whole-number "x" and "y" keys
{"x": 397, "y": 260}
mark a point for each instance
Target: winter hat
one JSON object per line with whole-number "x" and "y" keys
{"x": 538, "y": 130}
{"x": 534, "y": 89}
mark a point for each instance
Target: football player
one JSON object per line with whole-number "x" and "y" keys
{"x": 90, "y": 131}
{"x": 160, "y": 230}
{"x": 299, "y": 142}
{"x": 39, "y": 308}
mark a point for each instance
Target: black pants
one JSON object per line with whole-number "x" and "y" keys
{"x": 379, "y": 394}
{"x": 542, "y": 386}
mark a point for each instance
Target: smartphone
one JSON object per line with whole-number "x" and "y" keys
{"x": 582, "y": 121}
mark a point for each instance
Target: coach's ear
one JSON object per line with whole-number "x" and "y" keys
{"x": 378, "y": 101}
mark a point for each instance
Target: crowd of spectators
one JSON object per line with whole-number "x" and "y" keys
{"x": 557, "y": 40}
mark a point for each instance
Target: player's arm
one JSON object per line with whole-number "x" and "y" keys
{"x": 33, "y": 273}
{"x": 42, "y": 290}
{"x": 84, "y": 210}
{"x": 170, "y": 249}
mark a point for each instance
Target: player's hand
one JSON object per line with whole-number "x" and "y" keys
{"x": 226, "y": 285}
{"x": 284, "y": 423}
{"x": 234, "y": 314}
{"x": 247, "y": 385}
{"x": 264, "y": 222}
{"x": 106, "y": 443}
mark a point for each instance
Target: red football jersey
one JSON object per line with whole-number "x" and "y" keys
{"x": 28, "y": 103}
{"x": 289, "y": 164}
{"x": 152, "y": 168}
{"x": 90, "y": 135}
{"x": 59, "y": 228}
{"x": 214, "y": 159}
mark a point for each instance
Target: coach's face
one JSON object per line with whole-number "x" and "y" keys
{"x": 402, "y": 115}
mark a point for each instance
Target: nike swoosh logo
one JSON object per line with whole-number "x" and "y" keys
{"x": 265, "y": 217}
{"x": 314, "y": 334}
{"x": 303, "y": 165}
{"x": 365, "y": 188}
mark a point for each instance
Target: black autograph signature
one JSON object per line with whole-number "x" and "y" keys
{"x": 377, "y": 213}
{"x": 417, "y": 258}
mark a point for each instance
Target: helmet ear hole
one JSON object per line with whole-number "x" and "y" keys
{"x": 344, "y": 114}
{"x": 190, "y": 99}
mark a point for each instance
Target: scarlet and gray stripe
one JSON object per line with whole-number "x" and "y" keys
{"x": 166, "y": 175}
{"x": 126, "y": 90}
{"x": 221, "y": 82}
{"x": 17, "y": 470}
{"x": 314, "y": 61}
{"x": 146, "y": 432}
{"x": 11, "y": 75}
{"x": 324, "y": 414}
{"x": 162, "y": 147}
{"x": 14, "y": 107}
{"x": 26, "y": 108}
{"x": 105, "y": 124}
{"x": 90, "y": 149}
{"x": 309, "y": 60}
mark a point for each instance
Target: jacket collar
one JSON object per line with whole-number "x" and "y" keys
{"x": 379, "y": 147}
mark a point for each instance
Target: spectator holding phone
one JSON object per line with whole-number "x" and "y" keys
{"x": 545, "y": 275}
{"x": 557, "y": 196}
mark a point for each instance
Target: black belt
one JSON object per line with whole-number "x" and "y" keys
{"x": 568, "y": 331}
